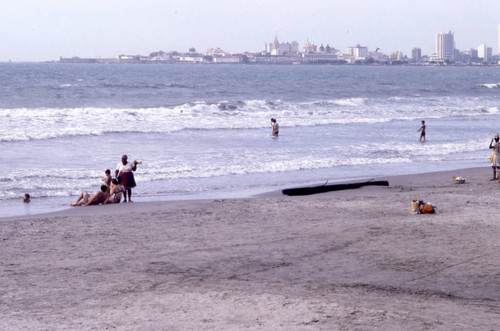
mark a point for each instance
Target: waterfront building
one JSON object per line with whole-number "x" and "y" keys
{"x": 193, "y": 58}
{"x": 319, "y": 57}
{"x": 309, "y": 47}
{"x": 231, "y": 59}
{"x": 484, "y": 53}
{"x": 498, "y": 39}
{"x": 398, "y": 56}
{"x": 277, "y": 48}
{"x": 215, "y": 52}
{"x": 378, "y": 57}
{"x": 472, "y": 52}
{"x": 445, "y": 46}
{"x": 416, "y": 54}
{"x": 271, "y": 59}
{"x": 434, "y": 58}
{"x": 358, "y": 51}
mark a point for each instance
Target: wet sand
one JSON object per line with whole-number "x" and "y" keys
{"x": 347, "y": 260}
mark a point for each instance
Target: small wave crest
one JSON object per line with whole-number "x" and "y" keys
{"x": 490, "y": 85}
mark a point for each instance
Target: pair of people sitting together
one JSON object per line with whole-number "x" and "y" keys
{"x": 106, "y": 195}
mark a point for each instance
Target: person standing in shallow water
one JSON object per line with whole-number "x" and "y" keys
{"x": 124, "y": 173}
{"x": 275, "y": 127}
{"x": 422, "y": 131}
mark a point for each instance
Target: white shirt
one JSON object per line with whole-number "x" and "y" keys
{"x": 127, "y": 167}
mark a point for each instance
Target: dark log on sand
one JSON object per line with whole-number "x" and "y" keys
{"x": 333, "y": 187}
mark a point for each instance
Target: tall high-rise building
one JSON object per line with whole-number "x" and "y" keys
{"x": 484, "y": 52}
{"x": 416, "y": 54}
{"x": 498, "y": 39}
{"x": 445, "y": 46}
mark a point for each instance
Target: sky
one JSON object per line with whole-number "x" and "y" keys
{"x": 44, "y": 30}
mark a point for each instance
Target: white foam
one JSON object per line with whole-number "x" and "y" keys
{"x": 22, "y": 124}
{"x": 490, "y": 85}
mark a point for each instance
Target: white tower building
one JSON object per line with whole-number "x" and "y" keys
{"x": 498, "y": 39}
{"x": 445, "y": 46}
{"x": 484, "y": 52}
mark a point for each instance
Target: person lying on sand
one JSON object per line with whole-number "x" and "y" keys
{"x": 115, "y": 192}
{"x": 97, "y": 198}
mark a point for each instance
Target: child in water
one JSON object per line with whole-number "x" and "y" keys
{"x": 422, "y": 130}
{"x": 275, "y": 127}
{"x": 26, "y": 198}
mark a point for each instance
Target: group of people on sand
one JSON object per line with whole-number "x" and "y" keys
{"x": 113, "y": 189}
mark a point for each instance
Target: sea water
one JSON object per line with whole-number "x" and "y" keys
{"x": 203, "y": 131}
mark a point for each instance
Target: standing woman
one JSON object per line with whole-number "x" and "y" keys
{"x": 125, "y": 175}
{"x": 495, "y": 162}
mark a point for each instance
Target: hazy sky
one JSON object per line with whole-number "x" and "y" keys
{"x": 38, "y": 30}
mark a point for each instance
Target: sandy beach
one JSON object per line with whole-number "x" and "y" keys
{"x": 349, "y": 260}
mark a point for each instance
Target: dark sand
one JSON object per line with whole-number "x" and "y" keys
{"x": 350, "y": 260}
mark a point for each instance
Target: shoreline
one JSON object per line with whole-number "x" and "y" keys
{"x": 398, "y": 180}
{"x": 355, "y": 259}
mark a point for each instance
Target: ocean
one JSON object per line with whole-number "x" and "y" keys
{"x": 203, "y": 131}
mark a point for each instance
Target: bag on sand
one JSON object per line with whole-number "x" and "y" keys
{"x": 426, "y": 208}
{"x": 414, "y": 205}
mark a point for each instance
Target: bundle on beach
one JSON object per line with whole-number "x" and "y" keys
{"x": 421, "y": 207}
{"x": 333, "y": 187}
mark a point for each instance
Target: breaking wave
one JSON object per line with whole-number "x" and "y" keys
{"x": 24, "y": 124}
{"x": 493, "y": 85}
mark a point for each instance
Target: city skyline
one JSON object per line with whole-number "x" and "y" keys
{"x": 35, "y": 31}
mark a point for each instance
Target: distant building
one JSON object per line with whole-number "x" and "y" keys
{"x": 272, "y": 59}
{"x": 309, "y": 47}
{"x": 319, "y": 57}
{"x": 215, "y": 52}
{"x": 228, "y": 59}
{"x": 378, "y": 56}
{"x": 416, "y": 54}
{"x": 358, "y": 51}
{"x": 445, "y": 46}
{"x": 398, "y": 56}
{"x": 277, "y": 48}
{"x": 464, "y": 57}
{"x": 192, "y": 58}
{"x": 484, "y": 53}
{"x": 473, "y": 53}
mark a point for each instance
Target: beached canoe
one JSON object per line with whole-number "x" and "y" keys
{"x": 333, "y": 187}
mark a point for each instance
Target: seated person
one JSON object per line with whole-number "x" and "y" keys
{"x": 116, "y": 192}
{"x": 107, "y": 178}
{"x": 97, "y": 198}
